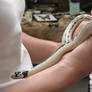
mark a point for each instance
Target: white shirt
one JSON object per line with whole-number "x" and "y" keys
{"x": 13, "y": 55}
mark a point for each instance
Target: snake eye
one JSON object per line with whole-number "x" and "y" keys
{"x": 18, "y": 74}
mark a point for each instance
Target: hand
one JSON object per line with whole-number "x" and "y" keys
{"x": 81, "y": 57}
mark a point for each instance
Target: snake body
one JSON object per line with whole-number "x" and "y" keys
{"x": 68, "y": 45}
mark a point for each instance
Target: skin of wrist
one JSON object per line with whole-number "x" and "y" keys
{"x": 70, "y": 74}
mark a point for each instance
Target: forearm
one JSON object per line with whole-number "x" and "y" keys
{"x": 55, "y": 79}
{"x": 39, "y": 49}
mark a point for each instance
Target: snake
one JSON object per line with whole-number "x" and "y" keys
{"x": 68, "y": 44}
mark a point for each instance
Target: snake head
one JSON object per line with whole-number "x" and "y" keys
{"x": 19, "y": 75}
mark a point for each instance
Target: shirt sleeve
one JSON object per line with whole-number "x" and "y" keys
{"x": 10, "y": 40}
{"x": 13, "y": 56}
{"x": 8, "y": 17}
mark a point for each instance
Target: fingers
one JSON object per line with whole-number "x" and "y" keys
{"x": 77, "y": 30}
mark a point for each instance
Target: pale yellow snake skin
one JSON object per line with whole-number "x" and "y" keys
{"x": 68, "y": 44}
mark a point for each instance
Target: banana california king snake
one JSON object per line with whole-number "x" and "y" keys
{"x": 68, "y": 45}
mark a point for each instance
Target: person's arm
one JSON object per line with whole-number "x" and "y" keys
{"x": 72, "y": 67}
{"x": 55, "y": 79}
{"x": 58, "y": 78}
{"x": 39, "y": 49}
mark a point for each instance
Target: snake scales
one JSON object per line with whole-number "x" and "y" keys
{"x": 68, "y": 44}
